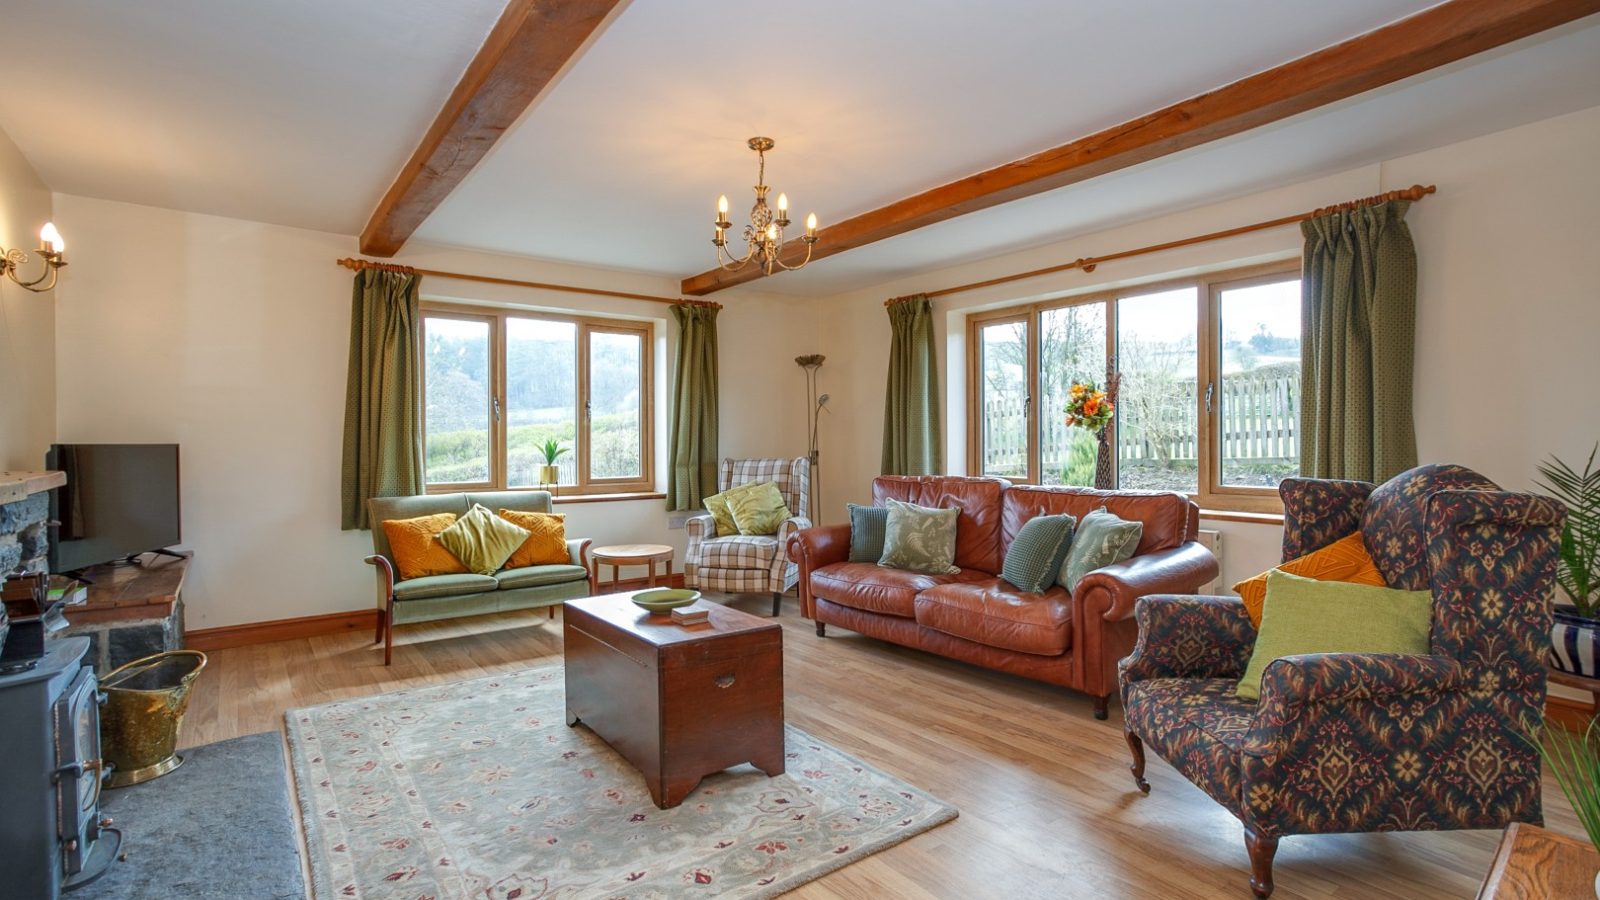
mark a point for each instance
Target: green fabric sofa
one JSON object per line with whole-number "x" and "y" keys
{"x": 451, "y": 596}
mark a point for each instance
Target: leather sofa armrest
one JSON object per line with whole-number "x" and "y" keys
{"x": 385, "y": 572}
{"x": 814, "y": 548}
{"x": 1180, "y": 570}
{"x": 578, "y": 552}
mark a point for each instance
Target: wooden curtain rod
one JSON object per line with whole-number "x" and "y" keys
{"x": 359, "y": 264}
{"x": 1088, "y": 264}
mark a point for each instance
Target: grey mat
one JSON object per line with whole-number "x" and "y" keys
{"x": 218, "y": 826}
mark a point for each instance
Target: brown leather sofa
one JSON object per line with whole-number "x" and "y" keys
{"x": 1073, "y": 639}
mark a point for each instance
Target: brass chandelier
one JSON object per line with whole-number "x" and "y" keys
{"x": 764, "y": 235}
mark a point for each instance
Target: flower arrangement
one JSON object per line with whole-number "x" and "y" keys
{"x": 1089, "y": 407}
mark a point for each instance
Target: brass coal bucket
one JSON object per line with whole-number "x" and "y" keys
{"x": 145, "y": 702}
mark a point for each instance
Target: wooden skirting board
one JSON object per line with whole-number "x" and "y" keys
{"x": 228, "y": 636}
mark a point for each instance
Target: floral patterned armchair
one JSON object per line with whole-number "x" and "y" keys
{"x": 1344, "y": 742}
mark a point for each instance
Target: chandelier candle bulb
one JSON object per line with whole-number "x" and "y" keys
{"x": 50, "y": 239}
{"x": 811, "y": 226}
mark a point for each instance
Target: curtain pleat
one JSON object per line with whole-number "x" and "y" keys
{"x": 1359, "y": 303}
{"x": 912, "y": 442}
{"x": 383, "y": 404}
{"x": 693, "y": 431}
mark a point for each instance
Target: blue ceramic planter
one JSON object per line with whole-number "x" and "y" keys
{"x": 1575, "y": 643}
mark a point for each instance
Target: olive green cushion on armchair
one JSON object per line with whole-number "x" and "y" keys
{"x": 757, "y": 508}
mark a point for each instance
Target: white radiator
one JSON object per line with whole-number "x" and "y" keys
{"x": 1211, "y": 539}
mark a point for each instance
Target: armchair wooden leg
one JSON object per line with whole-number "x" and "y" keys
{"x": 388, "y": 634}
{"x": 1262, "y": 848}
{"x": 822, "y": 629}
{"x": 777, "y": 601}
{"x": 377, "y": 632}
{"x": 1101, "y": 707}
{"x": 1137, "y": 746}
{"x": 552, "y": 609}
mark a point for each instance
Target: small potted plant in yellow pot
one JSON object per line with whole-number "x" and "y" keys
{"x": 1575, "y": 634}
{"x": 550, "y": 473}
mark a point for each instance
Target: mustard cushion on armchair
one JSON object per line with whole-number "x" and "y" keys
{"x": 415, "y": 545}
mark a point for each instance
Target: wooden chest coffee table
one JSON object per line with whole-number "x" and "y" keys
{"x": 677, "y": 702}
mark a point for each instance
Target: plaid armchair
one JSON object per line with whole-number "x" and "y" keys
{"x": 1343, "y": 742}
{"x": 750, "y": 563}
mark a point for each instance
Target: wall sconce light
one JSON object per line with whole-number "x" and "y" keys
{"x": 52, "y": 252}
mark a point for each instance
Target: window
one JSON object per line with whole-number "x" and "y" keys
{"x": 498, "y": 385}
{"x": 1210, "y": 386}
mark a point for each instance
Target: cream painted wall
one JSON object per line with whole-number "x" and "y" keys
{"x": 230, "y": 338}
{"x": 1507, "y": 308}
{"x": 27, "y": 321}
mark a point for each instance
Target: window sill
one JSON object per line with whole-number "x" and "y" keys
{"x": 610, "y": 498}
{"x": 1253, "y": 518}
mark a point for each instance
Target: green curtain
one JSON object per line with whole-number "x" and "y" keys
{"x": 693, "y": 451}
{"x": 382, "y": 401}
{"x": 912, "y": 444}
{"x": 1359, "y": 306}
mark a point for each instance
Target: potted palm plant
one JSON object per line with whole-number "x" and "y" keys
{"x": 1575, "y": 634}
{"x": 1574, "y": 760}
{"x": 549, "y": 473}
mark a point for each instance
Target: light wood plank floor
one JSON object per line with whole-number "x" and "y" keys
{"x": 1048, "y": 809}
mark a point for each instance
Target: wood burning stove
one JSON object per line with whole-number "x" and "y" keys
{"x": 50, "y": 774}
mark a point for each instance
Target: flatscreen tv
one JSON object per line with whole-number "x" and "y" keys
{"x": 120, "y": 500}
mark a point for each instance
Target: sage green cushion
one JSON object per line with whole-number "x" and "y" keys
{"x": 1102, "y": 539}
{"x": 1304, "y": 615}
{"x": 482, "y": 540}
{"x": 533, "y": 576}
{"x": 919, "y": 539}
{"x": 443, "y": 586}
{"x": 1033, "y": 561}
{"x": 717, "y": 505}
{"x": 757, "y": 508}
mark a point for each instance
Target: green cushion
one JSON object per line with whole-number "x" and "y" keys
{"x": 867, "y": 525}
{"x": 919, "y": 539}
{"x": 443, "y": 586}
{"x": 482, "y": 540}
{"x": 757, "y": 508}
{"x": 1304, "y": 615}
{"x": 717, "y": 505}
{"x": 1033, "y": 561}
{"x": 533, "y": 576}
{"x": 1102, "y": 539}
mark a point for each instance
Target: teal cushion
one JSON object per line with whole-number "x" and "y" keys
{"x": 443, "y": 586}
{"x": 1304, "y": 615}
{"x": 1033, "y": 561}
{"x": 920, "y": 539}
{"x": 1102, "y": 540}
{"x": 867, "y": 526}
{"x": 533, "y": 576}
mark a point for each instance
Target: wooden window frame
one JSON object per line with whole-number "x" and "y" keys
{"x": 1210, "y": 493}
{"x": 585, "y": 327}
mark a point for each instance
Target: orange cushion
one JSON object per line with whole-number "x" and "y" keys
{"x": 547, "y": 539}
{"x": 1343, "y": 560}
{"x": 415, "y": 546}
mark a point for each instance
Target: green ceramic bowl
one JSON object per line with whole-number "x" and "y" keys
{"x": 662, "y": 600}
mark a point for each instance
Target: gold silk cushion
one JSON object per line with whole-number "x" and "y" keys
{"x": 547, "y": 539}
{"x": 717, "y": 505}
{"x": 482, "y": 540}
{"x": 415, "y": 546}
{"x": 758, "y": 508}
{"x": 1344, "y": 560}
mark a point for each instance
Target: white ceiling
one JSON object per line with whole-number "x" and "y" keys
{"x": 296, "y": 112}
{"x": 300, "y": 112}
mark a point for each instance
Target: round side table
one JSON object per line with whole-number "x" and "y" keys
{"x": 619, "y": 555}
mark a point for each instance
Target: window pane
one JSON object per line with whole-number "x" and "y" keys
{"x": 456, "y": 395}
{"x": 1072, "y": 347}
{"x": 1259, "y": 403}
{"x": 1156, "y": 428}
{"x": 615, "y": 413}
{"x": 541, "y": 399}
{"x": 1003, "y": 398}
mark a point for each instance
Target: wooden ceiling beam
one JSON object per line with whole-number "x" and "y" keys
{"x": 1431, "y": 38}
{"x": 529, "y": 47}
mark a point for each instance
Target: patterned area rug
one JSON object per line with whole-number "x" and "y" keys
{"x": 479, "y": 789}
